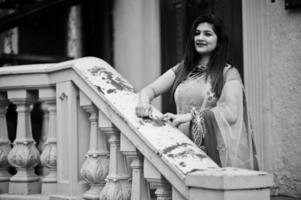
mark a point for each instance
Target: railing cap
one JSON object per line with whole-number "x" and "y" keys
{"x": 229, "y": 178}
{"x": 49, "y": 67}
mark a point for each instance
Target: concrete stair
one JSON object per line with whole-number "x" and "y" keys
{"x": 284, "y": 198}
{"x": 60, "y": 197}
{"x": 23, "y": 197}
{"x": 38, "y": 197}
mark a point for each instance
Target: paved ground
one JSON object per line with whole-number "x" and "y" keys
{"x": 284, "y": 198}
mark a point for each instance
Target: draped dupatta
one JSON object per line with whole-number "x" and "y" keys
{"x": 224, "y": 130}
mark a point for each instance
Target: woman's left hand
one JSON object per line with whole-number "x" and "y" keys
{"x": 177, "y": 120}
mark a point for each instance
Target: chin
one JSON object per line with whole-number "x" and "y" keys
{"x": 203, "y": 51}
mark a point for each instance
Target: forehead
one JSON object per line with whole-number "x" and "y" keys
{"x": 205, "y": 26}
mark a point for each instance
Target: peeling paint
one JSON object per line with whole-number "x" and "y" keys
{"x": 116, "y": 82}
{"x": 158, "y": 122}
{"x": 99, "y": 90}
{"x": 195, "y": 170}
{"x": 111, "y": 91}
{"x": 201, "y": 156}
{"x": 231, "y": 171}
{"x": 185, "y": 154}
{"x": 141, "y": 122}
{"x": 182, "y": 164}
{"x": 94, "y": 70}
{"x": 168, "y": 149}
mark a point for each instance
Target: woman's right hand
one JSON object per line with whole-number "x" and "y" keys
{"x": 143, "y": 109}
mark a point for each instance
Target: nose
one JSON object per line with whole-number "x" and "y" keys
{"x": 200, "y": 36}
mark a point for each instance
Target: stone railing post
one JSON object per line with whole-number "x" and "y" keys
{"x": 45, "y": 125}
{"x": 24, "y": 155}
{"x": 96, "y": 166}
{"x": 49, "y": 154}
{"x": 163, "y": 191}
{"x": 118, "y": 184}
{"x": 163, "y": 188}
{"x": 140, "y": 187}
{"x": 4, "y": 145}
{"x": 229, "y": 184}
{"x": 42, "y": 171}
{"x": 71, "y": 144}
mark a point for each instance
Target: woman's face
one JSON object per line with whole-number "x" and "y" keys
{"x": 205, "y": 39}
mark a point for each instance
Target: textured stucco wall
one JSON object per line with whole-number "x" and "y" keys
{"x": 286, "y": 97}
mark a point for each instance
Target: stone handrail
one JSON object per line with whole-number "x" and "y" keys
{"x": 188, "y": 169}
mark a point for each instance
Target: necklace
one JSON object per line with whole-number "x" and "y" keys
{"x": 198, "y": 70}
{"x": 201, "y": 67}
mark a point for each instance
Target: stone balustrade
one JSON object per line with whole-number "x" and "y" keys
{"x": 92, "y": 145}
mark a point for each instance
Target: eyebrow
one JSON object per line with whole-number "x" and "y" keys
{"x": 206, "y": 30}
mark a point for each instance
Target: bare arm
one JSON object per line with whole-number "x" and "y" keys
{"x": 156, "y": 88}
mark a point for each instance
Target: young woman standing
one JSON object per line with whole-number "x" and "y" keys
{"x": 209, "y": 96}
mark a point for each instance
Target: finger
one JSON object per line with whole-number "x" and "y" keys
{"x": 165, "y": 116}
{"x": 175, "y": 123}
{"x": 147, "y": 111}
{"x": 140, "y": 112}
{"x": 169, "y": 116}
{"x": 168, "y": 119}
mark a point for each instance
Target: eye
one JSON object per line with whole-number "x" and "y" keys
{"x": 208, "y": 33}
{"x": 197, "y": 32}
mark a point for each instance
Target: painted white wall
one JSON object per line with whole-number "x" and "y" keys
{"x": 286, "y": 96}
{"x": 272, "y": 61}
{"x": 137, "y": 41}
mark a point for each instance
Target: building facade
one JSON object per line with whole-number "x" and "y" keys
{"x": 131, "y": 38}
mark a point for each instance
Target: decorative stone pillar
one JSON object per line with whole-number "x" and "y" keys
{"x": 43, "y": 171}
{"x": 45, "y": 127}
{"x": 49, "y": 154}
{"x": 4, "y": 146}
{"x": 24, "y": 155}
{"x": 118, "y": 184}
{"x": 96, "y": 166}
{"x": 140, "y": 187}
{"x": 163, "y": 191}
{"x": 153, "y": 176}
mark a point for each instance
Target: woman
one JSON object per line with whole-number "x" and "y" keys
{"x": 209, "y": 95}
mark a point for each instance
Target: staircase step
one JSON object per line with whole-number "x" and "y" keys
{"x": 39, "y": 197}
{"x": 23, "y": 197}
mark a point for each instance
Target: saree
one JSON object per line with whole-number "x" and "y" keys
{"x": 221, "y": 127}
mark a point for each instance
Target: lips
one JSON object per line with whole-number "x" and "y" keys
{"x": 200, "y": 43}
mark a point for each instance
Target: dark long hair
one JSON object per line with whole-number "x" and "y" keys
{"x": 218, "y": 58}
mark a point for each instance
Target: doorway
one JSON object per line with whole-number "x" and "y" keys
{"x": 176, "y": 17}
